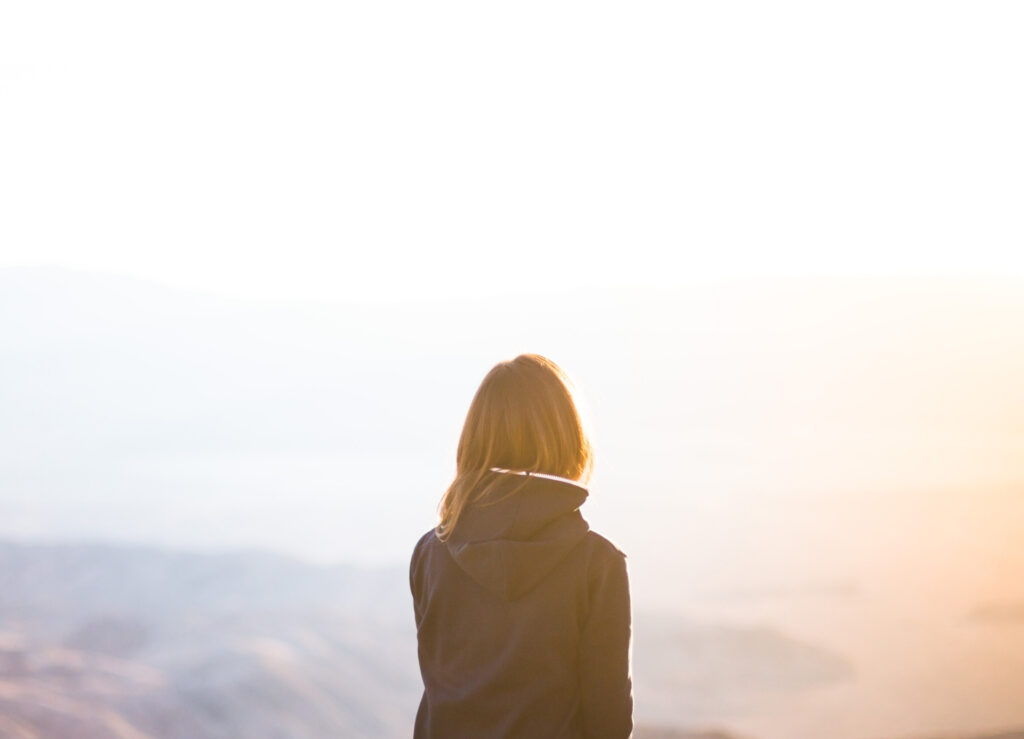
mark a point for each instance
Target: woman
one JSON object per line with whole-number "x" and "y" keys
{"x": 522, "y": 612}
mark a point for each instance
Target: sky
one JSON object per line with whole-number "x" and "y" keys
{"x": 411, "y": 151}
{"x": 766, "y": 441}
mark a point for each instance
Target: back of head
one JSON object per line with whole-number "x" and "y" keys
{"x": 523, "y": 417}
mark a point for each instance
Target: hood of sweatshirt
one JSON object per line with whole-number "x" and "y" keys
{"x": 508, "y": 543}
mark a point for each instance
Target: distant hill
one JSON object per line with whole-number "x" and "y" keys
{"x": 127, "y": 642}
{"x": 132, "y": 641}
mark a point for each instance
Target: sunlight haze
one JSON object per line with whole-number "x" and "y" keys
{"x": 255, "y": 259}
{"x": 383, "y": 150}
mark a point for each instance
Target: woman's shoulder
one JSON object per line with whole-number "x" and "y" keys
{"x": 607, "y": 572}
{"x": 427, "y": 538}
{"x": 601, "y": 546}
{"x": 426, "y": 541}
{"x": 420, "y": 557}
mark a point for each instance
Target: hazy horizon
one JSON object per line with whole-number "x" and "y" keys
{"x": 774, "y": 388}
{"x": 838, "y": 462}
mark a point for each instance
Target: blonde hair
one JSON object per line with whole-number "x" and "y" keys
{"x": 523, "y": 417}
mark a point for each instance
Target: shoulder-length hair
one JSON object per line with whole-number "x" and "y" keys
{"x": 524, "y": 418}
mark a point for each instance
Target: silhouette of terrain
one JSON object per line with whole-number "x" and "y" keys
{"x": 130, "y": 641}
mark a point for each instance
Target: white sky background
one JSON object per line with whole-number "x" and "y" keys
{"x": 377, "y": 150}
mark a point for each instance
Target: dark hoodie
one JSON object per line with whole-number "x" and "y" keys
{"x": 523, "y": 620}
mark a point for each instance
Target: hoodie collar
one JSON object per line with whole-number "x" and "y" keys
{"x": 518, "y": 505}
{"x": 525, "y": 525}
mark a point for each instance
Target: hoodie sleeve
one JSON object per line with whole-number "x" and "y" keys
{"x": 415, "y": 566}
{"x": 606, "y": 687}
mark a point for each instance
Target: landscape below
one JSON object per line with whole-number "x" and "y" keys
{"x": 102, "y": 641}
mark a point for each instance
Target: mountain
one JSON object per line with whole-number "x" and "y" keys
{"x": 132, "y": 641}
{"x": 101, "y": 641}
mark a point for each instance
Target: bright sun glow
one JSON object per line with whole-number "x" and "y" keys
{"x": 382, "y": 150}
